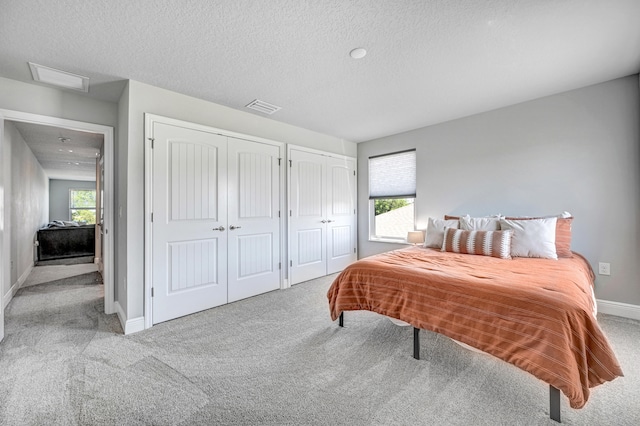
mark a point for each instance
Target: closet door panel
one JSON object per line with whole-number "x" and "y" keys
{"x": 307, "y": 220}
{"x": 189, "y": 205}
{"x": 254, "y": 223}
{"x": 341, "y": 217}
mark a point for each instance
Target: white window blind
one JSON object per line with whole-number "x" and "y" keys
{"x": 393, "y": 175}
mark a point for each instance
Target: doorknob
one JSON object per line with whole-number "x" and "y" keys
{"x": 234, "y": 227}
{"x": 323, "y": 221}
{"x": 219, "y": 228}
{"x": 331, "y": 221}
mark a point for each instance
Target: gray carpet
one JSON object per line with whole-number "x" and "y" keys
{"x": 275, "y": 359}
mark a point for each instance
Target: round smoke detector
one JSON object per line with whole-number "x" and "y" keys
{"x": 358, "y": 53}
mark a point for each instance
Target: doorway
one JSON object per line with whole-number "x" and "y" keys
{"x": 107, "y": 199}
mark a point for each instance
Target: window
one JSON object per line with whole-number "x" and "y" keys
{"x": 392, "y": 192}
{"x": 82, "y": 205}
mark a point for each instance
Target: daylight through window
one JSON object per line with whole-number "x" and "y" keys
{"x": 82, "y": 205}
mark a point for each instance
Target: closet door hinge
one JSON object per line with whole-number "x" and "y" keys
{"x": 279, "y": 265}
{"x": 291, "y": 263}
{"x": 354, "y": 249}
{"x": 152, "y": 292}
{"x": 151, "y": 217}
{"x": 278, "y": 213}
{"x": 354, "y": 172}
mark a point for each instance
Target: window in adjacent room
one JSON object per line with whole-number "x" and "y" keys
{"x": 82, "y": 205}
{"x": 392, "y": 192}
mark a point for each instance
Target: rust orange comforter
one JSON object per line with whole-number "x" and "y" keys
{"x": 537, "y": 314}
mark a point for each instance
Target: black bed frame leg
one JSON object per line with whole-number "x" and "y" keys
{"x": 341, "y": 319}
{"x": 416, "y": 343}
{"x": 554, "y": 404}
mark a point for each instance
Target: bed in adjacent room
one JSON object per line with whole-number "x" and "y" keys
{"x": 64, "y": 240}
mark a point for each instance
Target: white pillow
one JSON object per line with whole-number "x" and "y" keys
{"x": 533, "y": 237}
{"x": 469, "y": 223}
{"x": 435, "y": 231}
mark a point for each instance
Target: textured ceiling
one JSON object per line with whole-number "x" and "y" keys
{"x": 427, "y": 61}
{"x": 74, "y": 159}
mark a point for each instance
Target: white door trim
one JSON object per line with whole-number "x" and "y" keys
{"x": 108, "y": 132}
{"x": 150, "y": 120}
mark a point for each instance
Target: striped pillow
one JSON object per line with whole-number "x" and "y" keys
{"x": 486, "y": 243}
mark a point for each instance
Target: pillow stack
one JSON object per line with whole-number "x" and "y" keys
{"x": 547, "y": 237}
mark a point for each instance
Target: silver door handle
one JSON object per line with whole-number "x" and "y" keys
{"x": 234, "y": 227}
{"x": 323, "y": 221}
{"x": 331, "y": 221}
{"x": 219, "y": 228}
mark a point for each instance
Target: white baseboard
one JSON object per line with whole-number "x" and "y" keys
{"x": 9, "y": 295}
{"x": 624, "y": 310}
{"x": 129, "y": 326}
{"x": 16, "y": 286}
{"x": 134, "y": 325}
{"x": 24, "y": 276}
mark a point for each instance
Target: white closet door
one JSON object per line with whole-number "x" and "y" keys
{"x": 341, "y": 215}
{"x": 189, "y": 250}
{"x": 254, "y": 223}
{"x": 307, "y": 221}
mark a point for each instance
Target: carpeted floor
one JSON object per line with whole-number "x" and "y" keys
{"x": 274, "y": 359}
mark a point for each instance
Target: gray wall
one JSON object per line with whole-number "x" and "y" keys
{"x": 59, "y": 196}
{"x": 576, "y": 151}
{"x": 26, "y": 196}
{"x": 140, "y": 98}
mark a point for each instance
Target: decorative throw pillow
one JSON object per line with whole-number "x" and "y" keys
{"x": 486, "y": 243}
{"x": 532, "y": 237}
{"x": 435, "y": 231}
{"x": 469, "y": 223}
{"x": 563, "y": 232}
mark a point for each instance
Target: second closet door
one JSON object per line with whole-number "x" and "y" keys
{"x": 322, "y": 222}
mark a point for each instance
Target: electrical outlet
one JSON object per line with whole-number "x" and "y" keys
{"x": 604, "y": 268}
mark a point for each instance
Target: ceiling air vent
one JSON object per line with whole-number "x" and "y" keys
{"x": 59, "y": 78}
{"x": 263, "y": 107}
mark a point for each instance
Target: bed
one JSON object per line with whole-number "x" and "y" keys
{"x": 537, "y": 314}
{"x": 62, "y": 240}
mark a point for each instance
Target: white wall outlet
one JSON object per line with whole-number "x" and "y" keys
{"x": 604, "y": 268}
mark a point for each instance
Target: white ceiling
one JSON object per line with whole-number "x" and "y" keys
{"x": 428, "y": 61}
{"x": 74, "y": 158}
